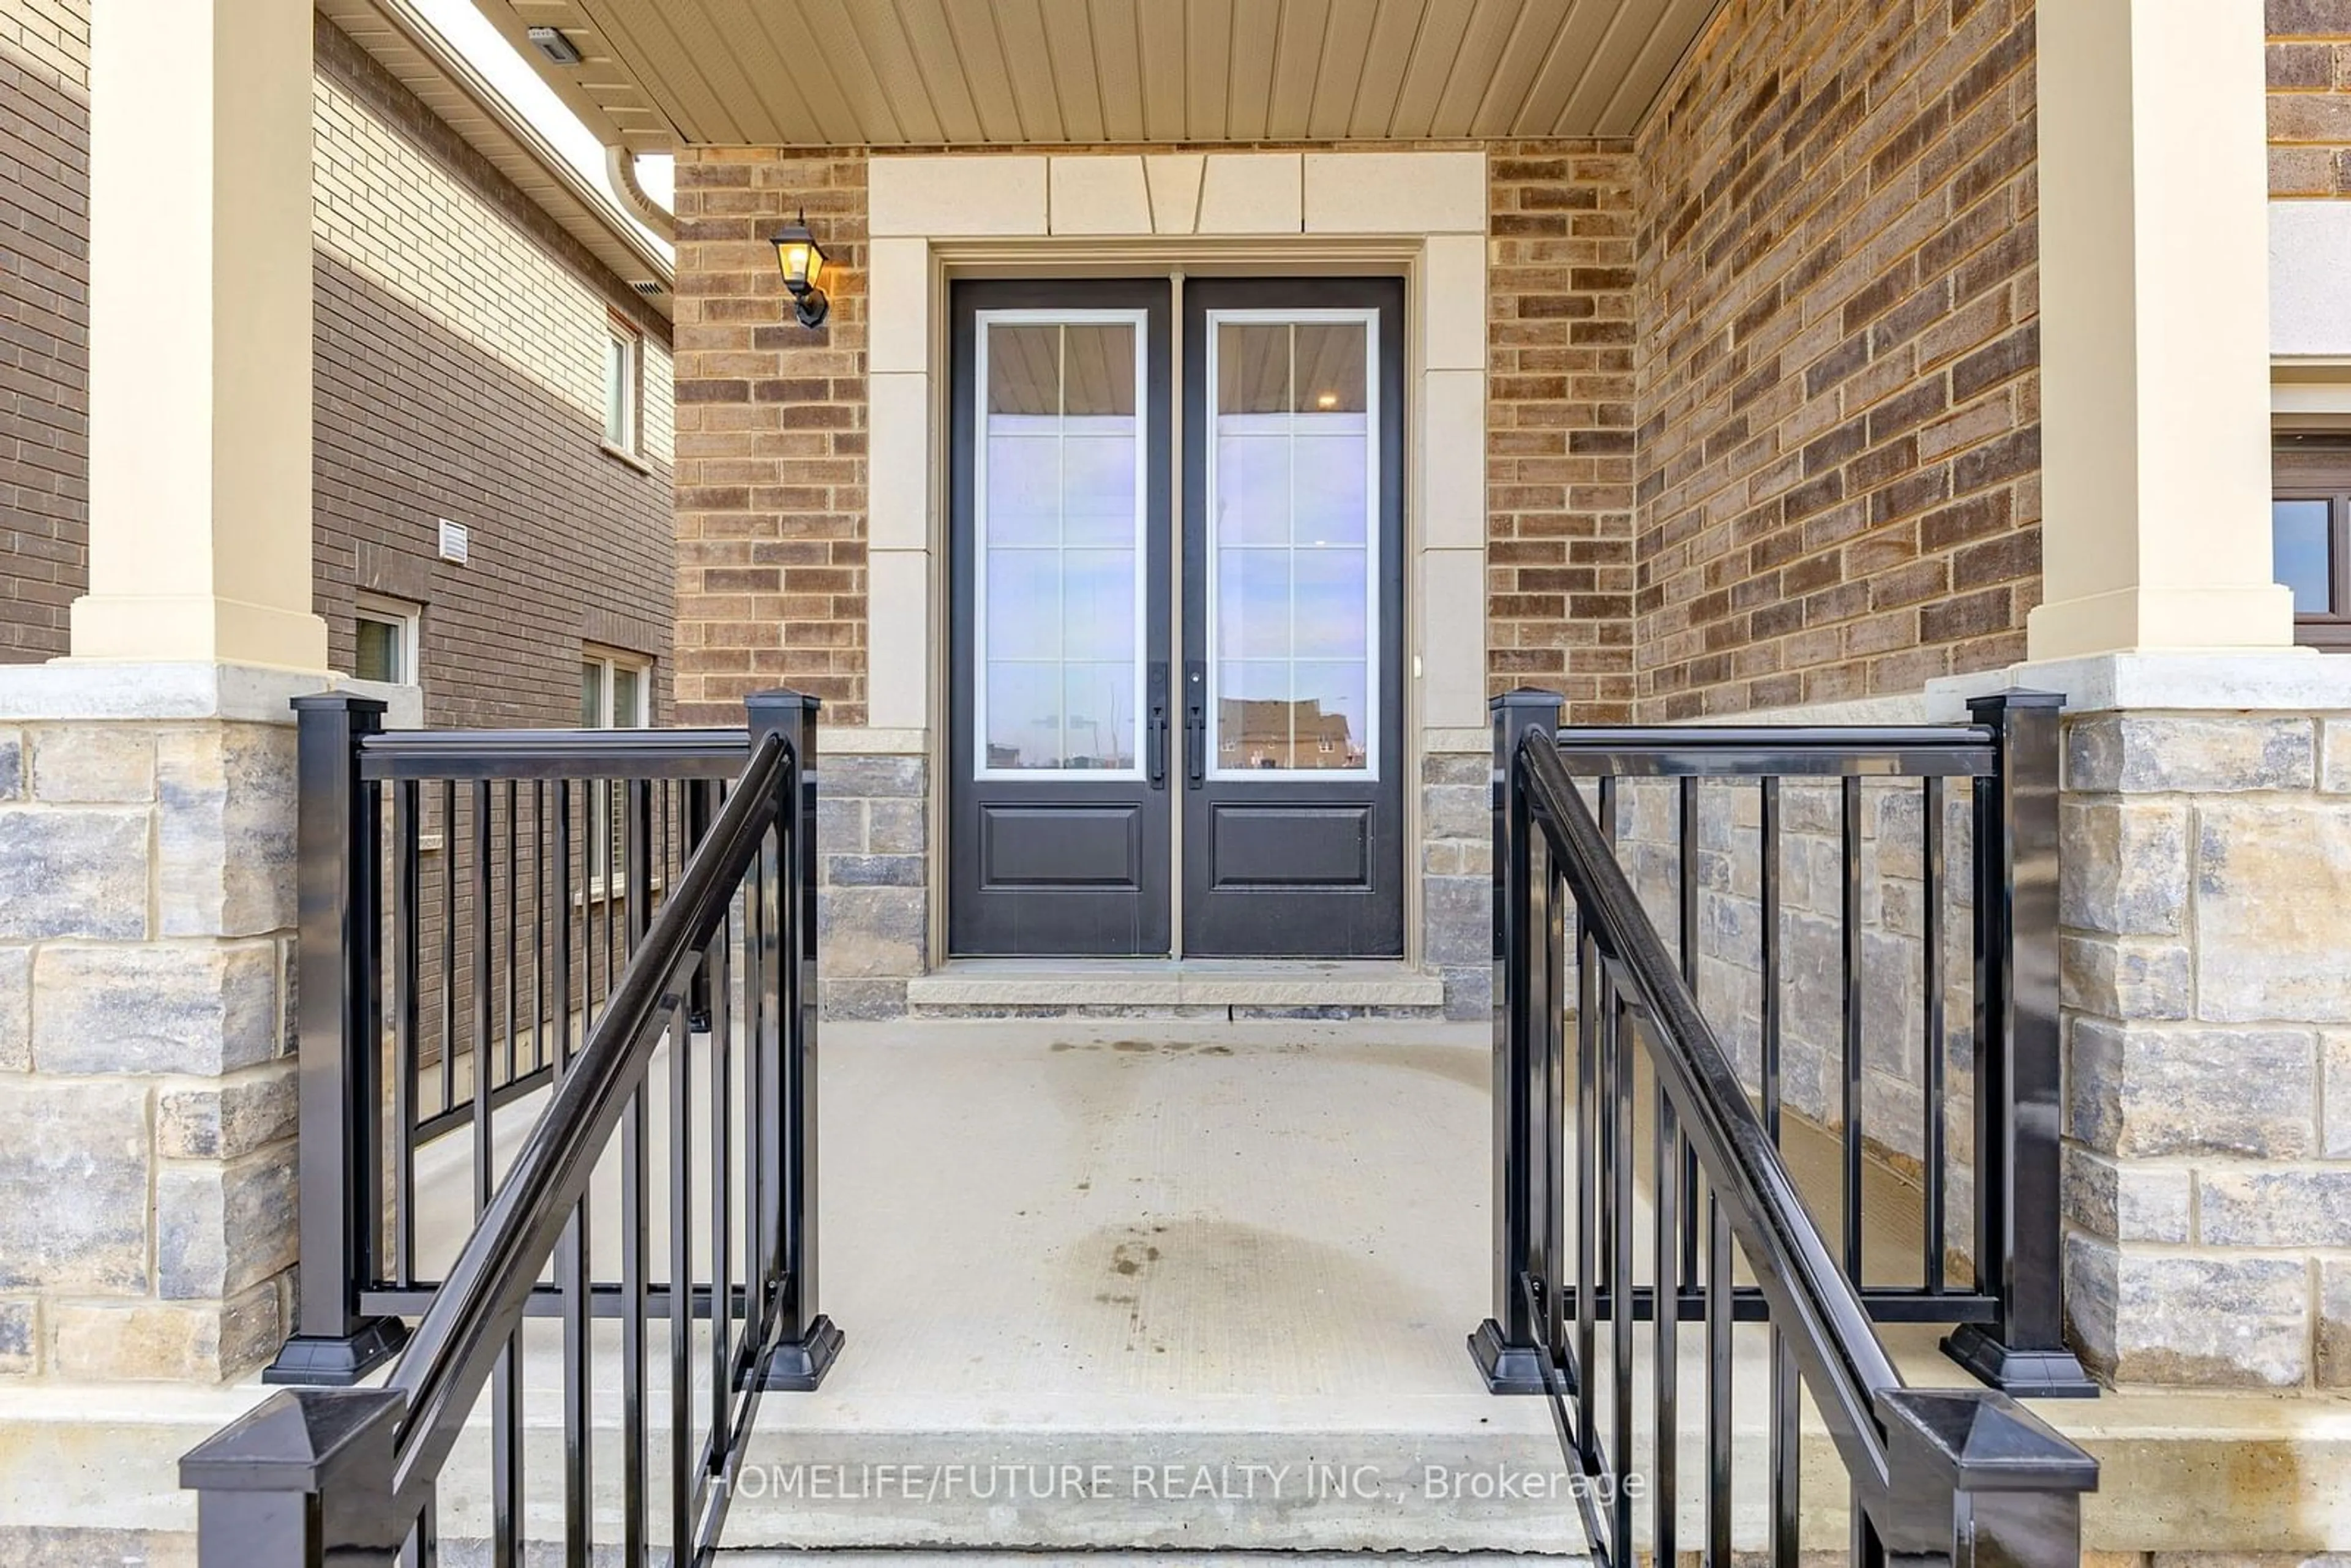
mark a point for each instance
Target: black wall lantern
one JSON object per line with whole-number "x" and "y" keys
{"x": 802, "y": 260}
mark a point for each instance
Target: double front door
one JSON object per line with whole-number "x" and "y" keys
{"x": 1177, "y": 684}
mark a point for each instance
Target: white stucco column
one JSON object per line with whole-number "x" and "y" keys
{"x": 2155, "y": 331}
{"x": 200, "y": 336}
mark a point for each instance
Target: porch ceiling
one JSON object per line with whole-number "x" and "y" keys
{"x": 882, "y": 73}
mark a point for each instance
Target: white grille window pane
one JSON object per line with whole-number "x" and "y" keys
{"x": 591, "y": 695}
{"x": 628, "y": 697}
{"x": 1060, "y": 534}
{"x": 2303, "y": 558}
{"x": 619, "y": 389}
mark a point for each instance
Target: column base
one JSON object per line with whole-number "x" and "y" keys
{"x": 1507, "y": 1368}
{"x": 799, "y": 1366}
{"x": 2019, "y": 1374}
{"x": 336, "y": 1362}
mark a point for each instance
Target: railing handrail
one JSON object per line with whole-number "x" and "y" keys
{"x": 1906, "y": 751}
{"x": 551, "y": 754}
{"x": 481, "y": 1305}
{"x": 1815, "y": 1303}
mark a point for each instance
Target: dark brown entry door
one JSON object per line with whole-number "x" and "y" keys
{"x": 1072, "y": 732}
{"x": 1060, "y": 781}
{"x": 1293, "y": 608}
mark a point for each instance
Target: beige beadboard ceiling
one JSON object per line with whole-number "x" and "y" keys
{"x": 887, "y": 73}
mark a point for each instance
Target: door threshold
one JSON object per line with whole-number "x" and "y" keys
{"x": 1281, "y": 983}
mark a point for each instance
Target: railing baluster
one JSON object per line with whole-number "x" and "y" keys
{"x": 449, "y": 841}
{"x": 1849, "y": 973}
{"x": 1768, "y": 894}
{"x": 514, "y": 832}
{"x": 1619, "y": 1056}
{"x": 1588, "y": 1201}
{"x": 408, "y": 887}
{"x": 483, "y": 1152}
{"x": 680, "y": 1286}
{"x": 1689, "y": 946}
{"x": 1786, "y": 1455}
{"x": 1666, "y": 1314}
{"x": 1931, "y": 877}
{"x": 635, "y": 1224}
{"x": 1720, "y": 1322}
{"x": 722, "y": 1099}
{"x": 506, "y": 1457}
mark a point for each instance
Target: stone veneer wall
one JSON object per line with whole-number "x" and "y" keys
{"x": 1839, "y": 442}
{"x": 2207, "y": 1184}
{"x": 146, "y": 1058}
{"x": 43, "y": 319}
{"x": 2310, "y": 98}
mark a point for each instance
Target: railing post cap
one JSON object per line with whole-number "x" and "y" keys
{"x": 1524, "y": 696}
{"x": 1994, "y": 702}
{"x": 783, "y": 698}
{"x": 1981, "y": 1440}
{"x": 351, "y": 703}
{"x": 295, "y": 1440}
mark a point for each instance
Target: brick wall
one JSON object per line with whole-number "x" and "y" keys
{"x": 2310, "y": 98}
{"x": 771, "y": 437}
{"x": 1559, "y": 423}
{"x": 1839, "y": 446}
{"x": 43, "y": 320}
{"x": 460, "y": 362}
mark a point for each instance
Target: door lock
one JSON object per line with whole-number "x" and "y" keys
{"x": 1195, "y": 723}
{"x": 1156, "y": 733}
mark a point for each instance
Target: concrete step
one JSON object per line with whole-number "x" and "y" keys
{"x": 1209, "y": 990}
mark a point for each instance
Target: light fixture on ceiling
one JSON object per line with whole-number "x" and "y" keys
{"x": 802, "y": 261}
{"x": 552, "y": 42}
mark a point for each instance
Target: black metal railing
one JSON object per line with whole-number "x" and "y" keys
{"x": 1977, "y": 942}
{"x": 697, "y": 1131}
{"x": 1600, "y": 1031}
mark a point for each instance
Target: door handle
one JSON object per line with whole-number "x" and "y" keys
{"x": 1195, "y": 723}
{"x": 1155, "y": 735}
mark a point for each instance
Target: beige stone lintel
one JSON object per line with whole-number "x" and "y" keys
{"x": 2272, "y": 680}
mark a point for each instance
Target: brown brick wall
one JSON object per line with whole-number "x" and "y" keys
{"x": 771, "y": 436}
{"x": 460, "y": 344}
{"x": 2310, "y": 98}
{"x": 44, "y": 321}
{"x": 1560, "y": 423}
{"x": 1839, "y": 453}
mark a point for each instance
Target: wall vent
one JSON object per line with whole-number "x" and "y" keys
{"x": 651, "y": 287}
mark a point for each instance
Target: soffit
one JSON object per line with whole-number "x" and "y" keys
{"x": 883, "y": 73}
{"x": 404, "y": 44}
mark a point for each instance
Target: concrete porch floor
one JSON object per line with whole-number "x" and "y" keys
{"x": 1197, "y": 1251}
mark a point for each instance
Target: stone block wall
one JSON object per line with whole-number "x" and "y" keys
{"x": 2310, "y": 98}
{"x": 1457, "y": 877}
{"x": 1839, "y": 442}
{"x": 146, "y": 1050}
{"x": 2208, "y": 1006}
{"x": 872, "y": 896}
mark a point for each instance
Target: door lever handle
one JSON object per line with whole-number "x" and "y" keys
{"x": 1155, "y": 738}
{"x": 1196, "y": 724}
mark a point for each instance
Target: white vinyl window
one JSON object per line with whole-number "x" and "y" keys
{"x": 385, "y": 642}
{"x": 1061, "y": 541}
{"x": 1293, "y": 507}
{"x": 615, "y": 690}
{"x": 623, "y": 354}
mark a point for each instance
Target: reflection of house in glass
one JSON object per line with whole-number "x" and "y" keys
{"x": 1005, "y": 758}
{"x": 1276, "y": 734}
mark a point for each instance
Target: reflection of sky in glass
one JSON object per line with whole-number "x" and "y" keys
{"x": 1061, "y": 536}
{"x": 2298, "y": 531}
{"x": 1291, "y": 512}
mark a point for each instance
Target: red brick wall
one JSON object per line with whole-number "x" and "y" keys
{"x": 44, "y": 321}
{"x": 1839, "y": 453}
{"x": 1559, "y": 423}
{"x": 770, "y": 437}
{"x": 2310, "y": 98}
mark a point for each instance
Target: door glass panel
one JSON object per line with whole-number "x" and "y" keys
{"x": 1060, "y": 536}
{"x": 1292, "y": 538}
{"x": 2303, "y": 562}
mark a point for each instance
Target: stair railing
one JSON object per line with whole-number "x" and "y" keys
{"x": 714, "y": 1253}
{"x": 1598, "y": 1016}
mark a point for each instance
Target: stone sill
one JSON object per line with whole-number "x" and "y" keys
{"x": 1183, "y": 982}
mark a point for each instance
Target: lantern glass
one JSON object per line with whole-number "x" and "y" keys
{"x": 801, "y": 258}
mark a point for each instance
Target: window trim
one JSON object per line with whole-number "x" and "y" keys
{"x": 406, "y": 619}
{"x": 2320, "y": 473}
{"x": 615, "y": 659}
{"x": 630, "y": 445}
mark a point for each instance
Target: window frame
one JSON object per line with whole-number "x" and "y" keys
{"x": 406, "y": 620}
{"x": 631, "y": 441}
{"x": 2318, "y": 468}
{"x": 612, "y": 660}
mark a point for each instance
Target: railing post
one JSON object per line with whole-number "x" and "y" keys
{"x": 1505, "y": 1345}
{"x": 2018, "y": 1113}
{"x": 303, "y": 1479}
{"x": 1977, "y": 1481}
{"x": 809, "y": 1341}
{"x": 340, "y": 1069}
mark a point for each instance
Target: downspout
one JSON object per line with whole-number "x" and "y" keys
{"x": 621, "y": 173}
